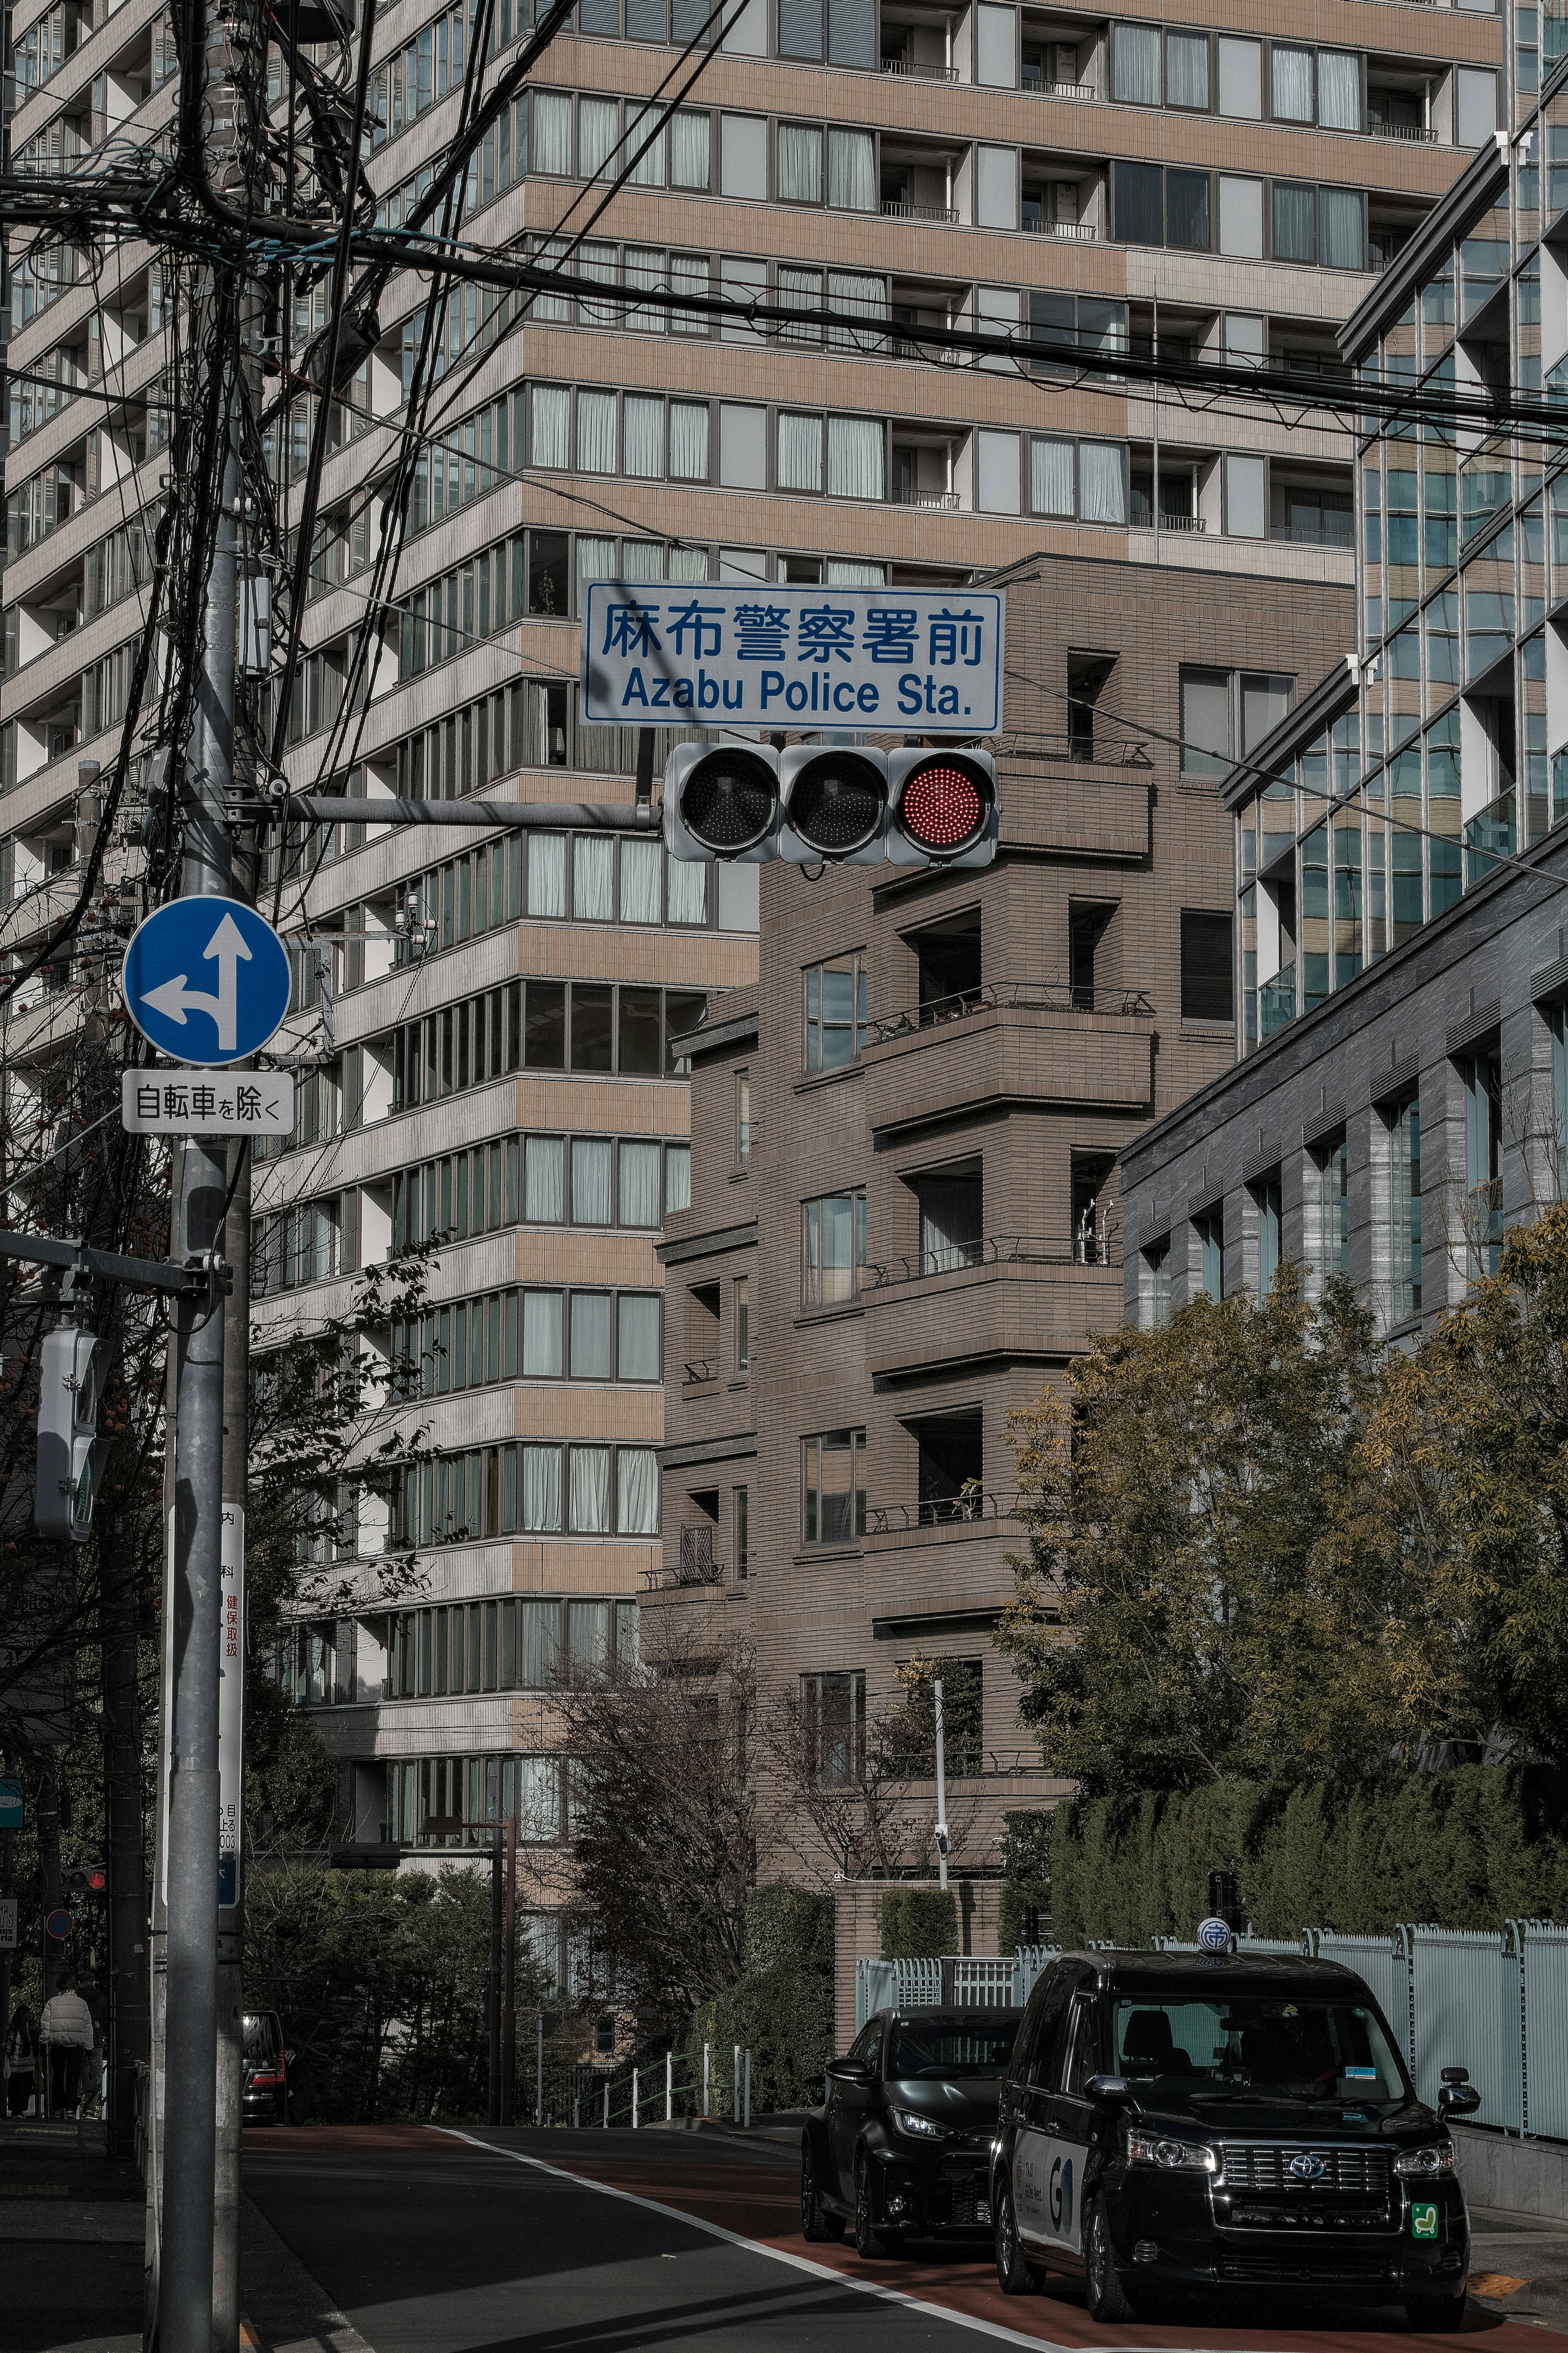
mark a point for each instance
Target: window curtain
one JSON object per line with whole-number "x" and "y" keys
{"x": 644, "y": 266}
{"x": 677, "y": 1178}
{"x": 590, "y": 1336}
{"x": 856, "y": 458}
{"x": 845, "y": 572}
{"x": 802, "y": 290}
{"x": 652, "y": 170}
{"x": 1292, "y": 84}
{"x": 595, "y": 561}
{"x": 1187, "y": 69}
{"x": 688, "y": 149}
{"x": 852, "y": 171}
{"x": 1339, "y": 89}
{"x": 541, "y": 1492}
{"x": 688, "y": 446}
{"x": 1136, "y": 71}
{"x": 598, "y": 130}
{"x": 543, "y": 1180}
{"x": 1295, "y": 222}
{"x": 552, "y": 131}
{"x": 638, "y": 1181}
{"x": 637, "y": 1338}
{"x": 799, "y": 163}
{"x": 550, "y": 409}
{"x": 800, "y": 452}
{"x": 601, "y": 262}
{"x": 590, "y": 1180}
{"x": 1050, "y": 477}
{"x": 642, "y": 559}
{"x": 596, "y": 441}
{"x": 593, "y": 878}
{"x": 1102, "y": 489}
{"x": 637, "y": 1489}
{"x": 686, "y": 885}
{"x": 588, "y": 1503}
{"x": 642, "y": 425}
{"x": 549, "y": 250}
{"x": 538, "y": 1801}
{"x": 588, "y": 1629}
{"x": 687, "y": 275}
{"x": 951, "y": 1210}
{"x": 547, "y": 874}
{"x": 862, "y": 296}
{"x": 542, "y": 1335}
{"x": 1342, "y": 229}
{"x": 640, "y": 863}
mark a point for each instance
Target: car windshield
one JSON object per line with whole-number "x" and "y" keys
{"x": 944, "y": 2048}
{"x": 1301, "y": 2048}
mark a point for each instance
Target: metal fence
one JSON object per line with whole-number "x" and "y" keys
{"x": 1493, "y": 2001}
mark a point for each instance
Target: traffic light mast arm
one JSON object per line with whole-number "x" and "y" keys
{"x": 583, "y": 816}
{"x": 108, "y": 1266}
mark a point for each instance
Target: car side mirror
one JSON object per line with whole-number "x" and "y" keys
{"x": 1113, "y": 2089}
{"x": 849, "y": 2071}
{"x": 1458, "y": 2099}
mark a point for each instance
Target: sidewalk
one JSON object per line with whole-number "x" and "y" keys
{"x": 71, "y": 2238}
{"x": 1518, "y": 2266}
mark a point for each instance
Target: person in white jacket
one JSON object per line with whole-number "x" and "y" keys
{"x": 66, "y": 2034}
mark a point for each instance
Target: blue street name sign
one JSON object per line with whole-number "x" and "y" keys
{"x": 11, "y": 1803}
{"x": 206, "y": 980}
{"x": 866, "y": 659}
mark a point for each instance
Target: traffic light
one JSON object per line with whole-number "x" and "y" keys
{"x": 93, "y": 1881}
{"x": 67, "y": 1427}
{"x": 846, "y": 806}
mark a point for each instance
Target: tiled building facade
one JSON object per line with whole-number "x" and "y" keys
{"x": 497, "y": 1023}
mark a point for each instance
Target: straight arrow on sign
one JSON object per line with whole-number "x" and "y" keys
{"x": 175, "y": 999}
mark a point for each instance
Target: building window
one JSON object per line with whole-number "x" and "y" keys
{"x": 1267, "y": 1195}
{"x": 744, "y": 1323}
{"x": 833, "y": 1714}
{"x": 1157, "y": 1265}
{"x": 1482, "y": 1075}
{"x": 832, "y": 1493}
{"x": 743, "y": 1535}
{"x": 833, "y": 1254}
{"x": 1207, "y": 991}
{"x": 1208, "y": 735}
{"x": 1333, "y": 1255}
{"x": 1210, "y": 1232}
{"x": 743, "y": 1119}
{"x": 835, "y": 1013}
{"x": 1405, "y": 1210}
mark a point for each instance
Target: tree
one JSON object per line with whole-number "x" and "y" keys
{"x": 849, "y": 1780}
{"x": 664, "y": 1815}
{"x": 1206, "y": 1592}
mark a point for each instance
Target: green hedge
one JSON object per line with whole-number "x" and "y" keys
{"x": 1026, "y": 1878}
{"x": 788, "y": 1928}
{"x": 919, "y": 1924}
{"x": 785, "y": 2018}
{"x": 1467, "y": 1848}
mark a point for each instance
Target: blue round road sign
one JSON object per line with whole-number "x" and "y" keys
{"x": 206, "y": 980}
{"x": 58, "y": 1925}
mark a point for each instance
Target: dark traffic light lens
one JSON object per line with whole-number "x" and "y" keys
{"x": 728, "y": 801}
{"x": 837, "y": 803}
{"x": 944, "y": 805}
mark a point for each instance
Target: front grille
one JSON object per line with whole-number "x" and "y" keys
{"x": 1286, "y": 2271}
{"x": 1256, "y": 2166}
{"x": 961, "y": 2196}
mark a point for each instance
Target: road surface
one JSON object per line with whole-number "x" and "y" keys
{"x": 429, "y": 2242}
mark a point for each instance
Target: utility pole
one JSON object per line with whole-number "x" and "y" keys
{"x": 230, "y": 2084}
{"x": 508, "y": 1984}
{"x": 941, "y": 1837}
{"x": 498, "y": 1914}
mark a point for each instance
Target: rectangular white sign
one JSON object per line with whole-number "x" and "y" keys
{"x": 925, "y": 661}
{"x": 206, "y": 1103}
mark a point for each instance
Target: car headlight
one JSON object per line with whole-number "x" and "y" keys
{"x": 1171, "y": 2156}
{"x": 918, "y": 2128}
{"x": 1437, "y": 2157}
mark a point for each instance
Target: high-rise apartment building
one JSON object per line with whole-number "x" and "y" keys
{"x": 1218, "y": 188}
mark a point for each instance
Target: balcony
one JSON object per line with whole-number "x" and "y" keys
{"x": 917, "y": 69}
{"x": 700, "y": 1369}
{"x": 1022, "y": 1300}
{"x": 983, "y": 1052}
{"x": 1076, "y": 93}
{"x": 1074, "y": 232}
{"x": 1040, "y": 995}
{"x": 891, "y": 211}
{"x": 924, "y": 502}
{"x": 694, "y": 1565}
{"x": 965, "y": 1510}
{"x": 1411, "y": 132}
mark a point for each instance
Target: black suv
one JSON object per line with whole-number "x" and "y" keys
{"x": 1174, "y": 2120}
{"x": 903, "y": 2143}
{"x": 265, "y": 2100}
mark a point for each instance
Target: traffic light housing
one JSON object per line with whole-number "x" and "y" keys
{"x": 833, "y": 804}
{"x": 68, "y": 1429}
{"x": 93, "y": 1881}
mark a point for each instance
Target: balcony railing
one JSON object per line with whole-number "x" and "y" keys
{"x": 1413, "y": 131}
{"x": 961, "y": 1258}
{"x": 940, "y": 1511}
{"x": 1314, "y": 534}
{"x": 891, "y": 211}
{"x": 1075, "y": 232}
{"x": 695, "y": 1566}
{"x": 1015, "y": 996}
{"x": 1169, "y": 522}
{"x": 1078, "y": 91}
{"x": 929, "y": 501}
{"x": 915, "y": 70}
{"x": 702, "y": 1368}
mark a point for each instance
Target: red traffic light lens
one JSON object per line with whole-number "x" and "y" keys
{"x": 837, "y": 803}
{"x": 729, "y": 799}
{"x": 944, "y": 804}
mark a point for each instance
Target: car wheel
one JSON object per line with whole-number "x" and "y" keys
{"x": 1107, "y": 2299}
{"x": 815, "y": 2222}
{"x": 871, "y": 2240}
{"x": 1437, "y": 2316}
{"x": 1016, "y": 2274}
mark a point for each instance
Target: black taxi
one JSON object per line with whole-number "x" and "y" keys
{"x": 1223, "y": 2121}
